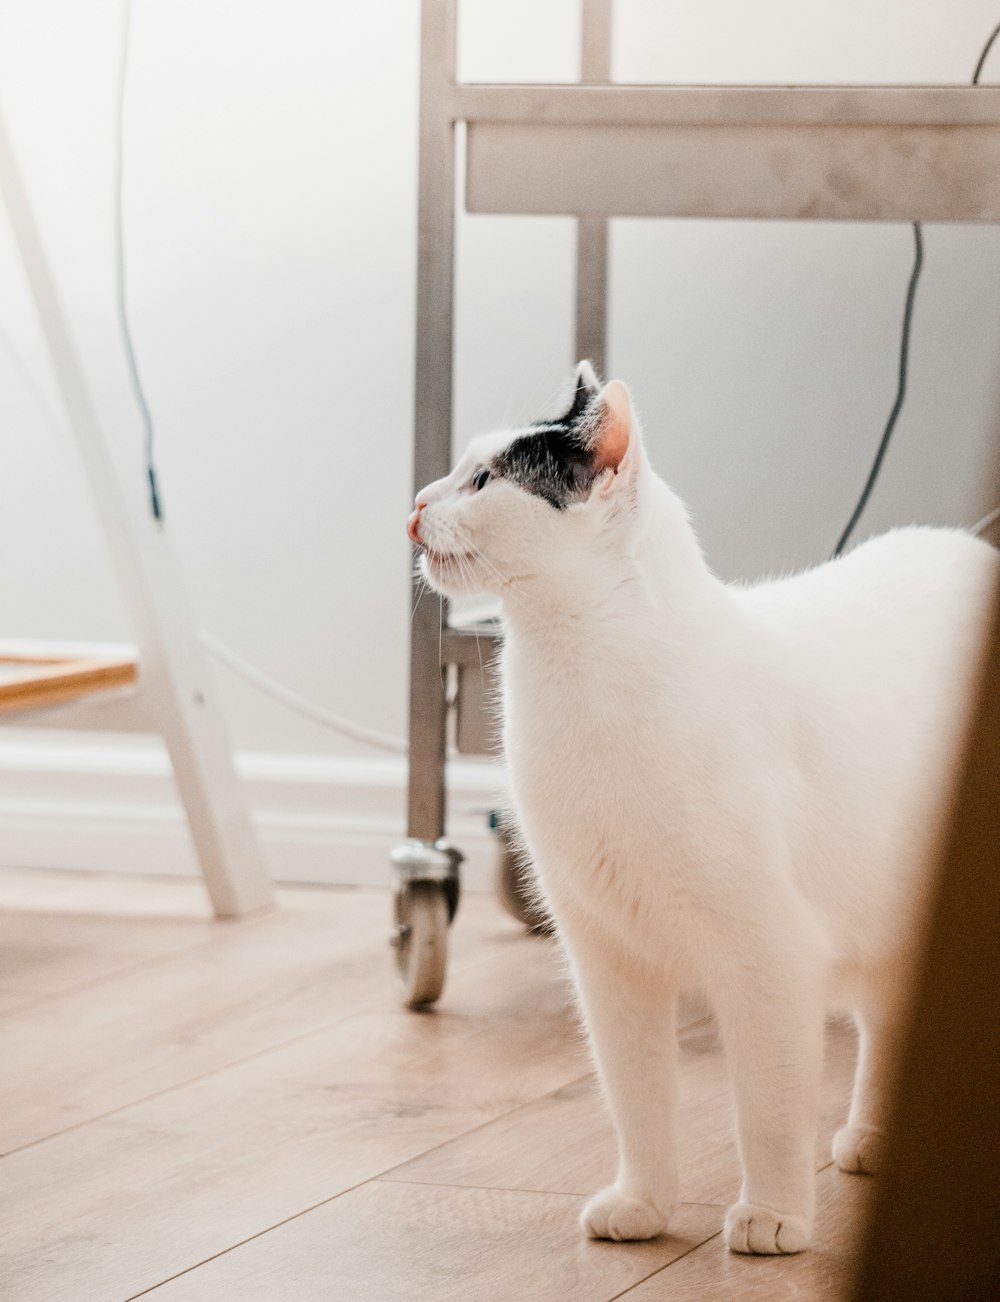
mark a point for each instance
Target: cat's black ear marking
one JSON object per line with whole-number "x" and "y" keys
{"x": 554, "y": 459}
{"x": 587, "y": 388}
{"x": 549, "y": 462}
{"x": 587, "y": 376}
{"x": 583, "y": 476}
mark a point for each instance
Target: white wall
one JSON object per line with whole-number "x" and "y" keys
{"x": 270, "y": 221}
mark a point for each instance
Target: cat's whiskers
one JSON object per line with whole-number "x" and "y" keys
{"x": 479, "y": 649}
{"x": 423, "y": 587}
{"x": 462, "y": 553}
{"x": 466, "y": 573}
{"x": 477, "y": 554}
{"x": 459, "y": 551}
{"x": 449, "y": 543}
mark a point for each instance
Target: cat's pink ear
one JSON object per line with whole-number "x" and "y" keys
{"x": 614, "y": 429}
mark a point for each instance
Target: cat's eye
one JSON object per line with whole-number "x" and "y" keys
{"x": 480, "y": 477}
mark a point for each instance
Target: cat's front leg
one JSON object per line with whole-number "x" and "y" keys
{"x": 771, "y": 1013}
{"x": 631, "y": 1020}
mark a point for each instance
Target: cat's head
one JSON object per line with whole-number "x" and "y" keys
{"x": 535, "y": 507}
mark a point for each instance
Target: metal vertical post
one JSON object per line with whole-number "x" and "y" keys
{"x": 433, "y": 400}
{"x": 592, "y": 232}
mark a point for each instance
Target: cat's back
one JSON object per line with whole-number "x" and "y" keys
{"x": 878, "y": 654}
{"x": 915, "y": 586}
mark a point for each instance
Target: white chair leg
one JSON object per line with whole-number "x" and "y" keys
{"x": 180, "y": 691}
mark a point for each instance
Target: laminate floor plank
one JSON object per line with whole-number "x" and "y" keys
{"x": 52, "y": 954}
{"x": 107, "y": 894}
{"x": 390, "y": 1242}
{"x": 120, "y": 1204}
{"x": 259, "y": 983}
{"x": 62, "y": 930}
{"x": 254, "y": 1116}
{"x": 564, "y": 1142}
{"x": 820, "y": 1275}
{"x": 113, "y": 1042}
{"x": 12, "y": 997}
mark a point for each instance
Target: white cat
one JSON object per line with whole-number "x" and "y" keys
{"x": 730, "y": 788}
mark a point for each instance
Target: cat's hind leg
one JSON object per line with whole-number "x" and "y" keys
{"x": 631, "y": 1019}
{"x": 858, "y": 1146}
{"x": 772, "y": 1025}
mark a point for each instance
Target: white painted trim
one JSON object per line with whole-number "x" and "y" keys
{"x": 112, "y": 806}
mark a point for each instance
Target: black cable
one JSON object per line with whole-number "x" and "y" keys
{"x": 897, "y": 406}
{"x": 133, "y": 368}
{"x": 904, "y": 346}
{"x": 982, "y": 58}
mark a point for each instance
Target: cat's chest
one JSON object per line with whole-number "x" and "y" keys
{"x": 582, "y": 698}
{"x": 563, "y": 750}
{"x": 607, "y": 711}
{"x": 623, "y": 757}
{"x": 587, "y": 762}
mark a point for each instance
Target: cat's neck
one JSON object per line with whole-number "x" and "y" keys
{"x": 660, "y": 577}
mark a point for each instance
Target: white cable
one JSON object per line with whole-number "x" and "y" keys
{"x": 982, "y": 525}
{"x": 318, "y": 713}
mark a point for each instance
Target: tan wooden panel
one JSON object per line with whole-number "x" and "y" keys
{"x": 119, "y": 1204}
{"x": 564, "y": 1143}
{"x": 60, "y": 929}
{"x": 418, "y": 1243}
{"x": 875, "y": 173}
{"x": 50, "y": 954}
{"x": 933, "y": 1233}
{"x": 13, "y": 998}
{"x": 260, "y": 983}
{"x": 122, "y": 1203}
{"x": 819, "y": 1275}
{"x": 111, "y": 895}
{"x": 27, "y": 684}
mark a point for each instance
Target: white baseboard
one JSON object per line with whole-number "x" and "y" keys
{"x": 111, "y": 806}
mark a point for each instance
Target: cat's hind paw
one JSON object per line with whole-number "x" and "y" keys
{"x": 752, "y": 1228}
{"x": 612, "y": 1214}
{"x": 859, "y": 1149}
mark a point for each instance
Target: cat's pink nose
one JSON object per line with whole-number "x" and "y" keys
{"x": 413, "y": 525}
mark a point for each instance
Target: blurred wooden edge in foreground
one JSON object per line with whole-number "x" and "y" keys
{"x": 934, "y": 1232}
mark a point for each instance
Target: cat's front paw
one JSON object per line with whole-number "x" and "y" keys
{"x": 859, "y": 1149}
{"x": 752, "y": 1228}
{"x": 612, "y": 1214}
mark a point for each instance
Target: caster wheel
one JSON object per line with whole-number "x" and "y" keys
{"x": 421, "y": 940}
{"x": 512, "y": 882}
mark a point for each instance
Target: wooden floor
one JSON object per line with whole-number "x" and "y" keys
{"x": 242, "y": 1112}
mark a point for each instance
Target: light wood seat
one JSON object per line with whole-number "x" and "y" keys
{"x": 33, "y": 675}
